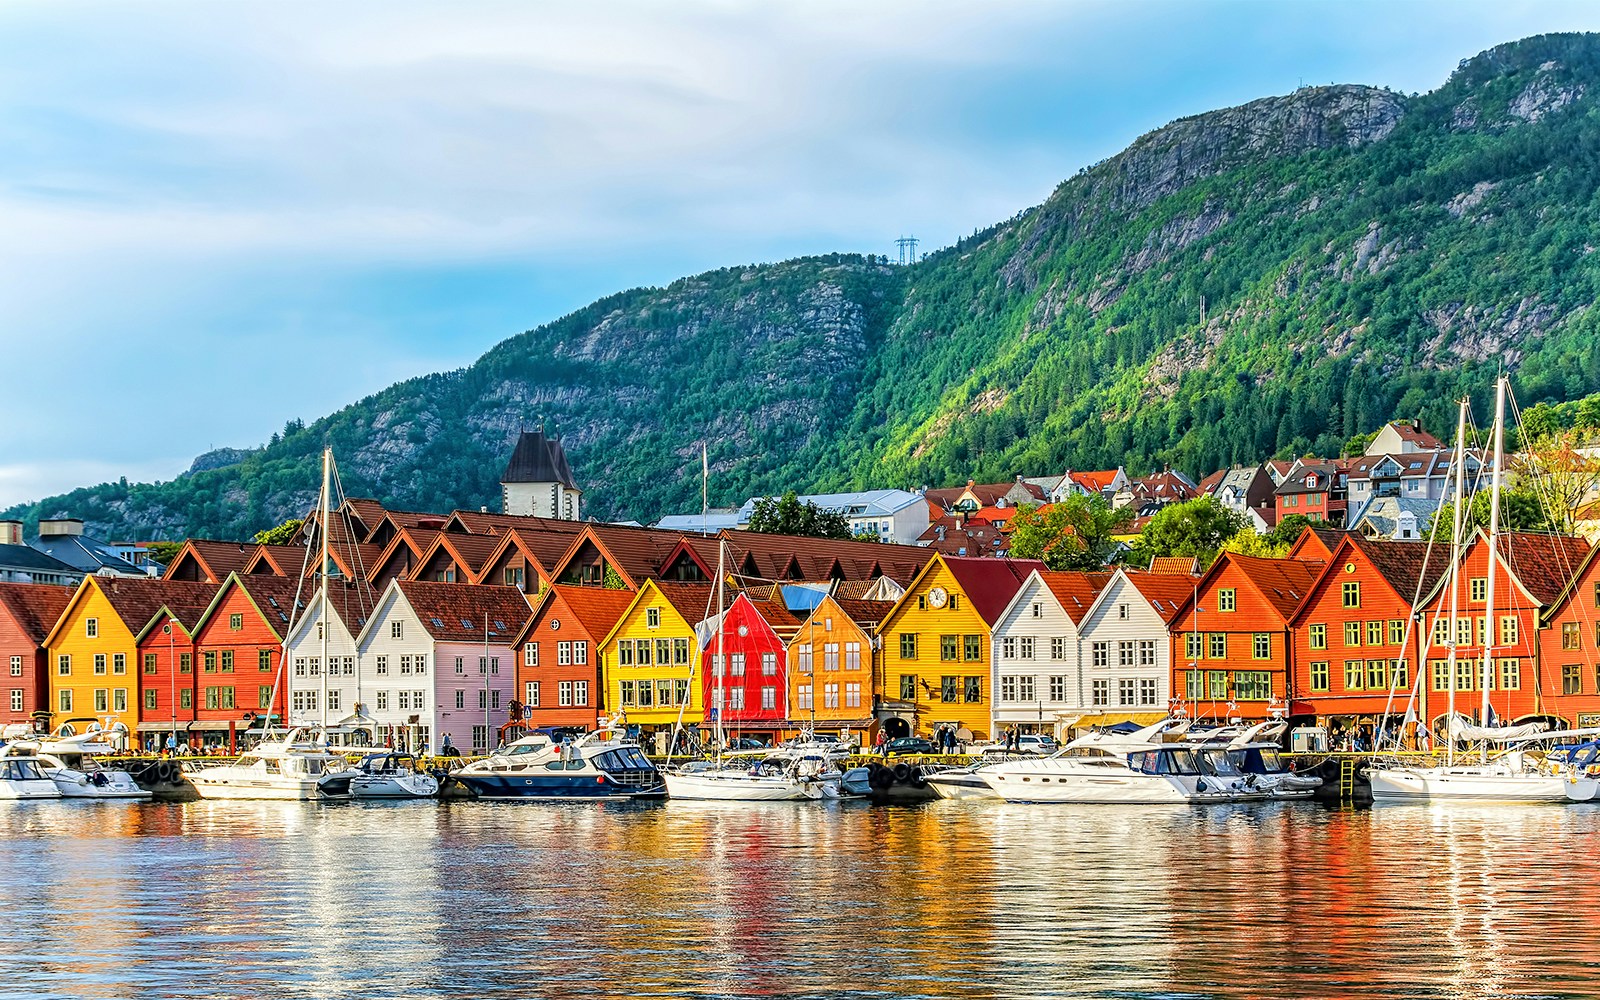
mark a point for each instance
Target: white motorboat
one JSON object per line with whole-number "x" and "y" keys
{"x": 1255, "y": 751}
{"x": 600, "y": 765}
{"x": 24, "y": 778}
{"x": 84, "y": 779}
{"x": 780, "y": 776}
{"x": 961, "y": 782}
{"x": 391, "y": 776}
{"x": 287, "y": 768}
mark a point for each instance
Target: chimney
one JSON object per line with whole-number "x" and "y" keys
{"x": 60, "y": 527}
{"x": 10, "y": 532}
{"x": 941, "y": 532}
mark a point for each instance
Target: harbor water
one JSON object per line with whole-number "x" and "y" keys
{"x": 680, "y": 899}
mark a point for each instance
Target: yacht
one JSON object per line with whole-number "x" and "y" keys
{"x": 1511, "y": 777}
{"x": 599, "y": 765}
{"x": 962, "y": 782}
{"x": 23, "y": 778}
{"x": 391, "y": 776}
{"x": 786, "y": 774}
{"x": 286, "y": 768}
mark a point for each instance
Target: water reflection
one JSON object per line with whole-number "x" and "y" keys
{"x": 694, "y": 899}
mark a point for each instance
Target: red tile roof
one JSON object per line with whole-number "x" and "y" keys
{"x": 35, "y": 606}
{"x": 455, "y": 612}
{"x": 864, "y": 613}
{"x": 1542, "y": 563}
{"x": 990, "y": 584}
{"x": 816, "y": 558}
{"x": 694, "y": 602}
{"x": 216, "y": 558}
{"x": 137, "y": 600}
{"x": 1178, "y": 565}
{"x": 1096, "y": 481}
{"x": 280, "y": 560}
{"x": 1284, "y": 583}
{"x": 597, "y": 609}
{"x": 1402, "y": 564}
{"x": 1075, "y": 591}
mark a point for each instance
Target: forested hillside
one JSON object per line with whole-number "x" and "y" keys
{"x": 1360, "y": 255}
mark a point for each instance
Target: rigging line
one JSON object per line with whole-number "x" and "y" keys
{"x": 294, "y": 620}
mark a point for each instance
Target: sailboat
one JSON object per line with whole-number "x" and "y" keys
{"x": 1510, "y": 775}
{"x": 294, "y": 765}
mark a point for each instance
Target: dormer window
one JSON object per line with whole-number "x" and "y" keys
{"x": 1311, "y": 481}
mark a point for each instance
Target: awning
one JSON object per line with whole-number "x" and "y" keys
{"x": 1086, "y": 719}
{"x": 209, "y": 725}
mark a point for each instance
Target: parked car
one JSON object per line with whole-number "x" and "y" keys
{"x": 1034, "y": 743}
{"x": 908, "y": 744}
{"x": 746, "y": 743}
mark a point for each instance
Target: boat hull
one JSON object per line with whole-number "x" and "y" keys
{"x": 552, "y": 787}
{"x": 1101, "y": 789}
{"x": 1464, "y": 784}
{"x": 1584, "y": 789}
{"x": 961, "y": 785}
{"x": 394, "y": 786}
{"x": 45, "y": 789}
{"x": 254, "y": 787}
{"x": 742, "y": 787}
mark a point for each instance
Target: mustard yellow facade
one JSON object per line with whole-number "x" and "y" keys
{"x": 93, "y": 667}
{"x": 936, "y": 655}
{"x": 648, "y": 664}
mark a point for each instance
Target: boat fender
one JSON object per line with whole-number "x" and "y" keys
{"x": 880, "y": 777}
{"x": 917, "y": 780}
{"x": 902, "y": 772}
{"x": 1200, "y": 785}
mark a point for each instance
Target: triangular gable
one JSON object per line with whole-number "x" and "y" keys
{"x": 681, "y": 557}
{"x": 589, "y": 541}
{"x": 911, "y": 588}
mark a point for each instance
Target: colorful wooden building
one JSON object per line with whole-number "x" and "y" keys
{"x": 1568, "y": 675}
{"x": 28, "y": 612}
{"x": 744, "y": 669}
{"x": 1232, "y": 647}
{"x": 835, "y": 672}
{"x": 936, "y": 644}
{"x": 1124, "y": 648}
{"x": 649, "y": 657}
{"x": 1035, "y": 653}
{"x": 238, "y": 653}
{"x": 558, "y": 654}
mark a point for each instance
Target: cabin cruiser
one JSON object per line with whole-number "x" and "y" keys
{"x": 24, "y": 778}
{"x": 84, "y": 779}
{"x": 599, "y": 765}
{"x": 1256, "y": 752}
{"x": 1148, "y": 766}
{"x": 787, "y": 774}
{"x": 391, "y": 776}
{"x": 287, "y": 768}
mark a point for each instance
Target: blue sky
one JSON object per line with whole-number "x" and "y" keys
{"x": 216, "y": 217}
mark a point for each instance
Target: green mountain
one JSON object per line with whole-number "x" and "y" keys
{"x": 1264, "y": 280}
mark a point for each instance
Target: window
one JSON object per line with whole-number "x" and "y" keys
{"x": 830, "y": 656}
{"x": 403, "y": 701}
{"x": 1058, "y": 648}
{"x": 1400, "y": 677}
{"x": 563, "y": 654}
{"x": 1194, "y": 684}
{"x": 480, "y": 739}
{"x": 1191, "y": 646}
{"x": 680, "y": 652}
{"x": 1261, "y": 646}
{"x": 1478, "y": 589}
{"x": 769, "y": 695}
{"x": 1397, "y": 631}
{"x": 564, "y": 693}
{"x": 949, "y": 648}
{"x": 624, "y": 652}
{"x": 1008, "y": 688}
{"x": 580, "y": 653}
{"x": 119, "y": 699}
{"x": 381, "y": 667}
{"x": 1058, "y": 688}
{"x": 530, "y": 694}
{"x": 803, "y": 653}
{"x": 1100, "y": 692}
{"x": 1570, "y": 639}
{"x": 950, "y": 689}
{"x": 1125, "y": 653}
{"x": 736, "y": 664}
{"x": 1100, "y": 654}
{"x": 1319, "y": 676}
{"x": 852, "y": 694}
{"x": 1252, "y": 685}
{"x": 1355, "y": 675}
{"x": 1125, "y": 691}
{"x": 625, "y": 689}
{"x": 1038, "y": 610}
{"x": 1227, "y": 599}
{"x": 149, "y": 700}
{"x": 16, "y": 665}
{"x": 333, "y": 699}
{"x": 382, "y": 700}
{"x": 652, "y": 618}
{"x": 1219, "y": 645}
{"x": 397, "y": 630}
{"x": 580, "y": 692}
{"x": 830, "y": 696}
{"x": 1352, "y": 633}
{"x": 530, "y": 654}
{"x": 1377, "y": 675}
{"x": 264, "y": 661}
{"x": 64, "y": 664}
{"x": 663, "y": 651}
{"x": 99, "y": 663}
{"x": 102, "y": 699}
{"x": 227, "y": 661}
{"x": 1508, "y": 630}
{"x": 483, "y": 699}
{"x": 421, "y": 663}
{"x": 264, "y": 696}
{"x": 1511, "y": 675}
{"x": 804, "y": 697}
{"x": 852, "y": 656}
{"x": 955, "y": 602}
{"x": 235, "y": 622}
{"x": 908, "y": 687}
{"x": 1374, "y": 633}
{"x": 1147, "y": 652}
{"x": 1008, "y": 648}
{"x": 974, "y": 690}
{"x": 1025, "y": 689}
{"x": 972, "y": 648}
{"x": 1441, "y": 631}
{"x": 1219, "y": 684}
{"x": 1572, "y": 678}
{"x": 149, "y": 664}
{"x": 185, "y": 698}
{"x": 1122, "y": 612}
{"x": 1351, "y": 593}
{"x": 512, "y": 576}
{"x": 91, "y": 628}
{"x": 1463, "y": 631}
{"x": 208, "y": 661}
{"x": 1147, "y": 691}
{"x": 64, "y": 699}
{"x": 769, "y": 664}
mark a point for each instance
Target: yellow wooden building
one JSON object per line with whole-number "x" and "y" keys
{"x": 834, "y": 674}
{"x": 936, "y": 644}
{"x": 649, "y": 661}
{"x": 93, "y": 663}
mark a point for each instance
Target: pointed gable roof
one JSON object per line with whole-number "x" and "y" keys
{"x": 989, "y": 584}
{"x": 1543, "y": 564}
{"x": 137, "y": 601}
{"x": 1175, "y": 565}
{"x": 597, "y": 609}
{"x": 866, "y": 614}
{"x": 1074, "y": 591}
{"x": 788, "y": 557}
{"x": 455, "y": 612}
{"x": 538, "y": 459}
{"x": 635, "y": 553}
{"x": 1165, "y": 592}
{"x": 1282, "y": 583}
{"x": 469, "y": 553}
{"x": 408, "y": 545}
{"x": 272, "y": 596}
{"x": 279, "y": 560}
{"x": 208, "y": 560}
{"x": 36, "y": 607}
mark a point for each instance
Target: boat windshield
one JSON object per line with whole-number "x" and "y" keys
{"x": 518, "y": 749}
{"x": 624, "y": 758}
{"x": 20, "y": 770}
{"x": 1220, "y": 762}
{"x": 249, "y": 761}
{"x": 1164, "y": 762}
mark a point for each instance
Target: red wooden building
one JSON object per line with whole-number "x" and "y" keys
{"x": 1532, "y": 571}
{"x": 28, "y": 611}
{"x": 558, "y": 663}
{"x": 238, "y": 647}
{"x": 162, "y": 648}
{"x": 748, "y": 686}
{"x": 1232, "y": 646}
{"x": 1354, "y": 636}
{"x": 1568, "y": 678}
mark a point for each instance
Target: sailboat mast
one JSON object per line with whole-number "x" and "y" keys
{"x": 327, "y": 470}
{"x": 1456, "y": 520}
{"x": 1489, "y": 632}
{"x": 721, "y": 660}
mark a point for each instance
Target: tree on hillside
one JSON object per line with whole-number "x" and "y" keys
{"x": 1520, "y": 510}
{"x": 787, "y": 515}
{"x": 1074, "y": 534}
{"x": 1196, "y": 528}
{"x": 283, "y": 534}
{"x": 1248, "y": 542}
{"x": 163, "y": 552}
{"x": 1288, "y": 529}
{"x": 1562, "y": 478}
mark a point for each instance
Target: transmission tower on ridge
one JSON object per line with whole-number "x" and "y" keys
{"x": 908, "y": 249}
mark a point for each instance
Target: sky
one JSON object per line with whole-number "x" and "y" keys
{"x": 218, "y": 217}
